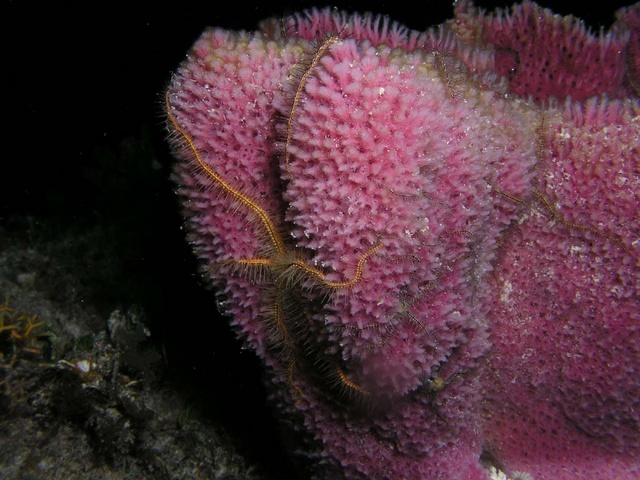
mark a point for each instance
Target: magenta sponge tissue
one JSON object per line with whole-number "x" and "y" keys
{"x": 432, "y": 245}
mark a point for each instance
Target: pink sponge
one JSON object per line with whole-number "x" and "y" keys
{"x": 354, "y": 177}
{"x": 355, "y": 188}
{"x": 550, "y": 56}
{"x": 562, "y": 384}
{"x": 436, "y": 273}
{"x": 628, "y": 20}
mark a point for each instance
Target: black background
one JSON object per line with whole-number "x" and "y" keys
{"x": 84, "y": 145}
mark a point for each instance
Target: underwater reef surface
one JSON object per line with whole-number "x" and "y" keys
{"x": 86, "y": 392}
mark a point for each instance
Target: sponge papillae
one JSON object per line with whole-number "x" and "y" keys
{"x": 437, "y": 264}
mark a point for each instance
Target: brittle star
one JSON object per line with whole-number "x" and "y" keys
{"x": 288, "y": 274}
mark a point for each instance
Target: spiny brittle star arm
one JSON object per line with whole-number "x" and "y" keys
{"x": 298, "y": 94}
{"x": 559, "y": 218}
{"x": 237, "y": 195}
{"x": 349, "y": 384}
{"x": 556, "y": 215}
{"x": 313, "y": 272}
{"x": 344, "y": 284}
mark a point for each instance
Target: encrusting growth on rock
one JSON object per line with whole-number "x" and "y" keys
{"x": 18, "y": 344}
